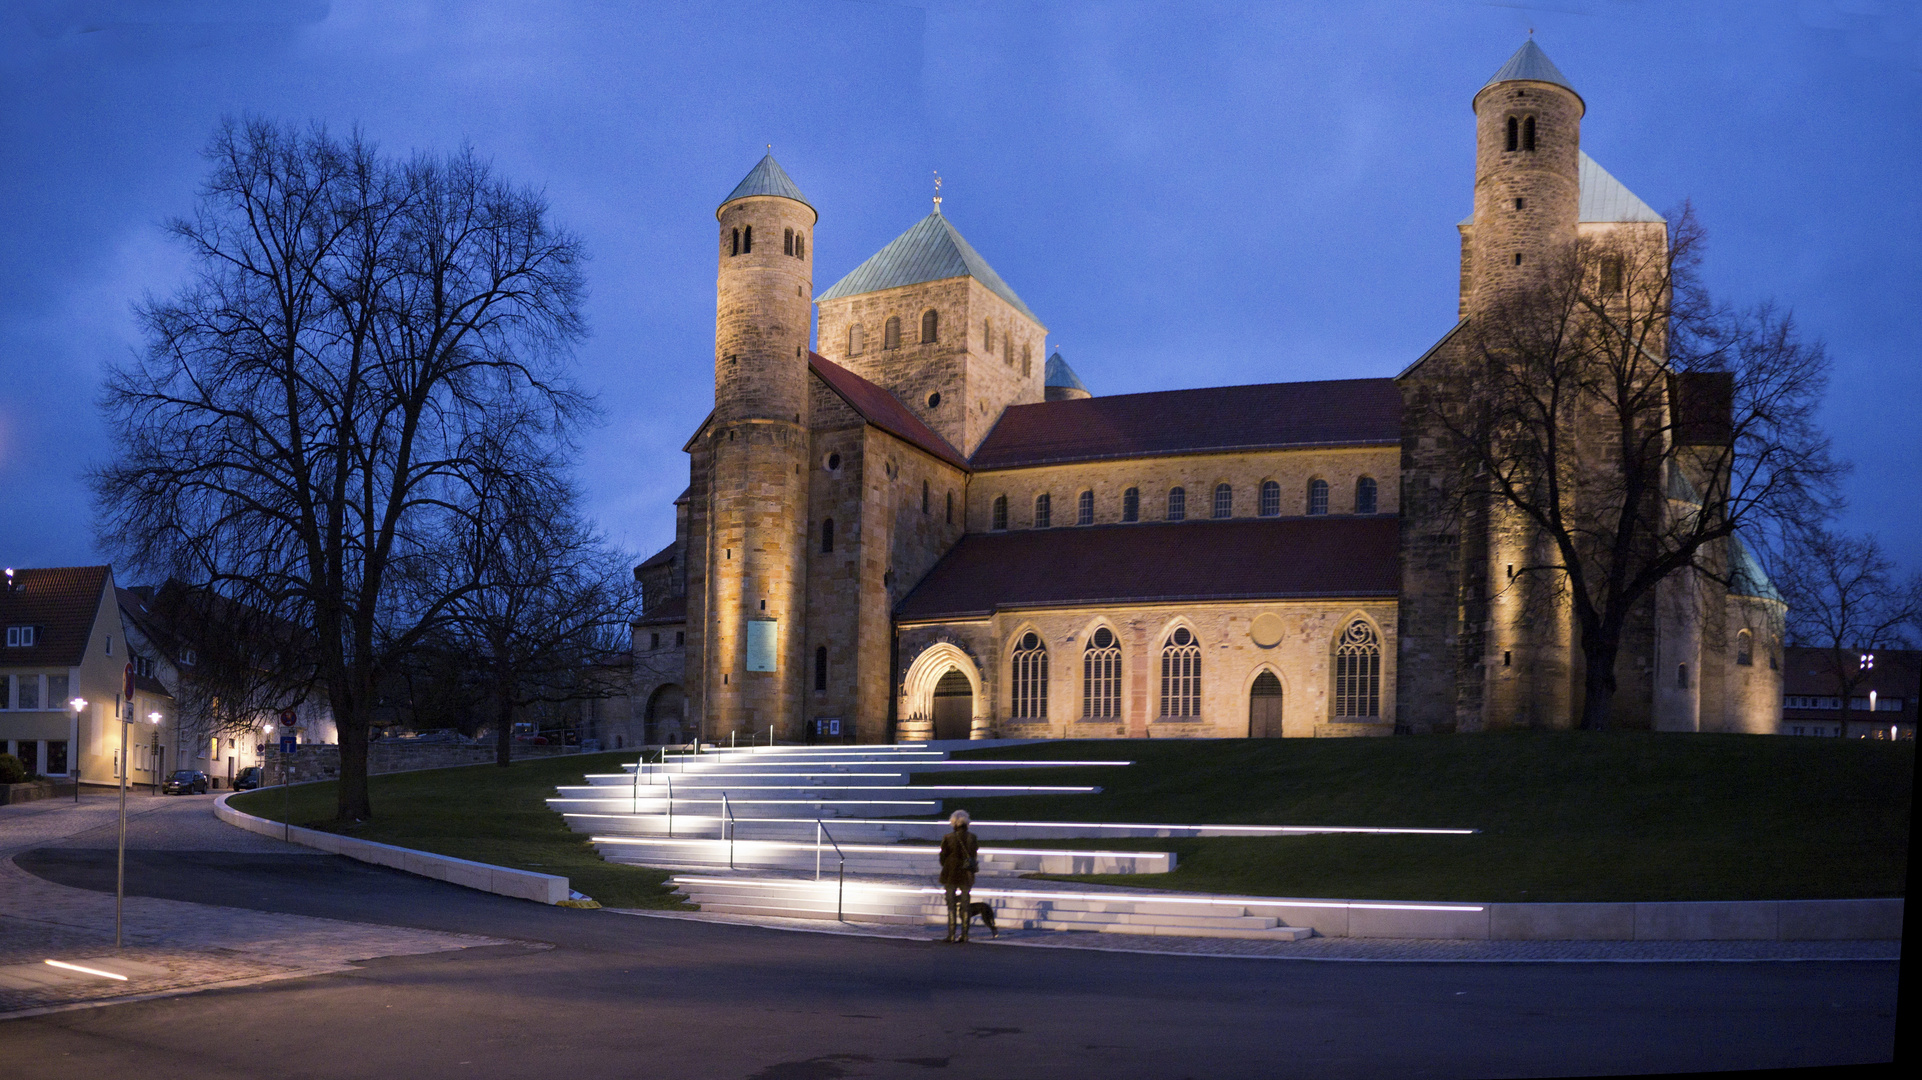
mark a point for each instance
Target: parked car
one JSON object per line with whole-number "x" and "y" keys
{"x": 248, "y": 779}
{"x": 187, "y": 782}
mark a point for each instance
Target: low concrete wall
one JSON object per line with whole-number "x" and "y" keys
{"x": 521, "y": 884}
{"x": 322, "y": 761}
{"x": 34, "y": 789}
{"x": 1730, "y": 920}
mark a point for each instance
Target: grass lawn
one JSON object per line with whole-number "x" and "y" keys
{"x": 1565, "y": 816}
{"x": 484, "y": 813}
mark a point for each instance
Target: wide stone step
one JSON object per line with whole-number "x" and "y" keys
{"x": 710, "y": 805}
{"x": 873, "y": 858}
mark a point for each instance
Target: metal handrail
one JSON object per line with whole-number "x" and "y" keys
{"x": 841, "y": 885}
{"x": 727, "y": 828}
{"x": 670, "y": 804}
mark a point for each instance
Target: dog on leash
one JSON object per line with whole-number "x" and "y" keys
{"x": 984, "y": 912}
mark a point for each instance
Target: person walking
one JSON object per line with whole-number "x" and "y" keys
{"x": 960, "y": 859}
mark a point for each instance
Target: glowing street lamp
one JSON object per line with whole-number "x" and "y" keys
{"x": 154, "y": 775}
{"x": 78, "y": 705}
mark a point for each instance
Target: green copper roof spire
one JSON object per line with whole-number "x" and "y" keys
{"x": 767, "y": 178}
{"x": 1532, "y": 64}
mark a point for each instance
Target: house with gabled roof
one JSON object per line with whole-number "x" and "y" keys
{"x": 906, "y": 518}
{"x": 62, "y": 674}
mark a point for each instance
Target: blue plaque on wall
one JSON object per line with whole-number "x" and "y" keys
{"x": 760, "y": 644}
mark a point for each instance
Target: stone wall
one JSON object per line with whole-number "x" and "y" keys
{"x": 322, "y": 762}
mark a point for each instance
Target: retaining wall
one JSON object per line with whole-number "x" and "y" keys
{"x": 322, "y": 761}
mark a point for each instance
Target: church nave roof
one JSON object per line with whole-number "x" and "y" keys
{"x": 932, "y": 250}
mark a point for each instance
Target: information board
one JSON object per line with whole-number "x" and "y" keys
{"x": 760, "y": 644}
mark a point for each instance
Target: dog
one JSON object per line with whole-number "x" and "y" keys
{"x": 984, "y": 912}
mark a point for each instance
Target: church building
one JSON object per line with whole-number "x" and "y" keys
{"x": 921, "y": 524}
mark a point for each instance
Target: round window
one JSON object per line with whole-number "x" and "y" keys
{"x": 1103, "y": 638}
{"x": 834, "y": 462}
{"x": 1182, "y": 636}
{"x": 1030, "y": 640}
{"x": 934, "y": 400}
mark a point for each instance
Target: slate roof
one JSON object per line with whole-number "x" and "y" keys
{"x": 1603, "y": 198}
{"x": 672, "y": 610}
{"x": 659, "y": 558}
{"x": 932, "y": 250}
{"x": 1341, "y": 412}
{"x": 883, "y": 410}
{"x": 1530, "y": 63}
{"x": 61, "y": 602}
{"x": 1060, "y": 374}
{"x": 1243, "y": 559}
{"x": 767, "y": 178}
{"x": 1746, "y": 576}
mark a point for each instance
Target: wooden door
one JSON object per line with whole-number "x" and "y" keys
{"x": 953, "y": 706}
{"x": 1264, "y": 707}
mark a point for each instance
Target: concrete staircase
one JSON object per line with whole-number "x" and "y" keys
{"x": 865, "y": 900}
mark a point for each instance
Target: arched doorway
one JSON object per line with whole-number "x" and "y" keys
{"x": 953, "y": 705}
{"x": 666, "y": 711}
{"x": 1264, "y": 707}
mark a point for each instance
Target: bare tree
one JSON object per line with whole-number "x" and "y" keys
{"x": 1633, "y": 425}
{"x": 364, "y": 340}
{"x": 1845, "y": 600}
{"x": 235, "y": 663}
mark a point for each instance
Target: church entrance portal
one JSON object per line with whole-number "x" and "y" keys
{"x": 665, "y": 711}
{"x": 953, "y": 705}
{"x": 1264, "y": 707}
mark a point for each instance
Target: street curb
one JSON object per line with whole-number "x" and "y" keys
{"x": 500, "y": 880}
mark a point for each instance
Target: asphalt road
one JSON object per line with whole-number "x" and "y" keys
{"x": 622, "y": 996}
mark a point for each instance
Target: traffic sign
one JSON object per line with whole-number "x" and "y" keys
{"x": 288, "y": 745}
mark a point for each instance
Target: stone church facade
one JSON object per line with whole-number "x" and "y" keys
{"x": 915, "y": 526}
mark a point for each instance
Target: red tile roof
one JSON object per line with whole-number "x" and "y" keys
{"x": 883, "y": 410}
{"x": 1344, "y": 412}
{"x": 61, "y": 602}
{"x": 1242, "y": 559}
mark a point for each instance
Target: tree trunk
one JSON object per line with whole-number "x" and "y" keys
{"x": 504, "y": 729}
{"x": 1598, "y": 680}
{"x": 353, "y": 724}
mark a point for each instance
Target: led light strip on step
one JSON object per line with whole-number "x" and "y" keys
{"x": 1103, "y": 897}
{"x": 86, "y": 970}
{"x": 796, "y": 845}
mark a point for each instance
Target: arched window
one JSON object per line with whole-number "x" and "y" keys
{"x": 1270, "y": 499}
{"x": 736, "y": 249}
{"x": 821, "y": 668}
{"x": 987, "y": 336}
{"x": 800, "y": 245}
{"x": 1181, "y": 675}
{"x": 1365, "y": 495}
{"x": 1030, "y": 680}
{"x": 950, "y": 507}
{"x": 1043, "y": 511}
{"x": 1027, "y": 361}
{"x": 1514, "y": 133}
{"x": 1745, "y": 648}
{"x": 1681, "y": 676}
{"x": 827, "y": 536}
{"x": 1131, "y": 505}
{"x": 1358, "y": 673}
{"x": 747, "y": 240}
{"x": 926, "y": 497}
{"x": 1007, "y": 350}
{"x": 1101, "y": 676}
{"x": 930, "y": 326}
{"x": 857, "y": 339}
{"x": 1528, "y": 133}
{"x": 787, "y": 241}
{"x": 1224, "y": 501}
{"x": 1177, "y": 504}
{"x": 1000, "y": 520}
{"x": 1084, "y": 509}
{"x": 1317, "y": 496}
{"x": 891, "y": 333}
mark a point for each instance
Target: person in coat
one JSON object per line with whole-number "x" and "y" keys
{"x": 960, "y": 858}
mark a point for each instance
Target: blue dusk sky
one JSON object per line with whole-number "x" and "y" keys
{"x": 1187, "y": 194}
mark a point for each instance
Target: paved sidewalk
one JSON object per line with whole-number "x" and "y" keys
{"x": 171, "y": 946}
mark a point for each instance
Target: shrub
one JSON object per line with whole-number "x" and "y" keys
{"x": 11, "y": 770}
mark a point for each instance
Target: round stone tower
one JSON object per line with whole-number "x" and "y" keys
{"x": 1528, "y": 126}
{"x": 758, "y": 449}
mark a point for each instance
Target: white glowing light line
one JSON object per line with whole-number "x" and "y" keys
{"x": 911, "y": 848}
{"x": 1130, "y": 898}
{"x": 87, "y": 970}
{"x": 977, "y": 826}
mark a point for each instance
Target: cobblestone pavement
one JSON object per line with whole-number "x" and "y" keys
{"x": 1343, "y": 949}
{"x": 171, "y": 946}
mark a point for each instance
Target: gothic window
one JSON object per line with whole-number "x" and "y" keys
{"x": 1270, "y": 499}
{"x": 1030, "y": 680}
{"x": 1043, "y": 511}
{"x": 1528, "y": 133}
{"x": 925, "y": 497}
{"x": 930, "y": 326}
{"x": 1027, "y": 361}
{"x": 736, "y": 249}
{"x": 827, "y": 536}
{"x": 950, "y": 507}
{"x": 987, "y": 336}
{"x": 1514, "y": 133}
{"x": 821, "y": 668}
{"x": 1084, "y": 509}
{"x": 1358, "y": 673}
{"x": 1745, "y": 648}
{"x": 1365, "y": 495}
{"x": 1317, "y": 496}
{"x": 1000, "y": 512}
{"x": 747, "y": 240}
{"x": 800, "y": 245}
{"x": 1007, "y": 350}
{"x": 891, "y": 333}
{"x": 857, "y": 339}
{"x": 787, "y": 242}
{"x": 1101, "y": 676}
{"x": 1181, "y": 675}
{"x": 1224, "y": 501}
{"x": 1131, "y": 505}
{"x": 1177, "y": 504}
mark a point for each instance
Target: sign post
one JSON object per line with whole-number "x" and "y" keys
{"x": 120, "y": 868}
{"x": 289, "y": 744}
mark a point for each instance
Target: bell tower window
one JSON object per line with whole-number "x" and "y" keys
{"x": 747, "y": 240}
{"x": 930, "y": 326}
{"x": 736, "y": 249}
{"x": 1514, "y": 133}
{"x": 891, "y": 333}
{"x": 787, "y": 241}
{"x": 1528, "y": 134}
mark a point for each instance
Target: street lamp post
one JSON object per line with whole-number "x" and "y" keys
{"x": 79, "y": 705}
{"x": 153, "y": 774}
